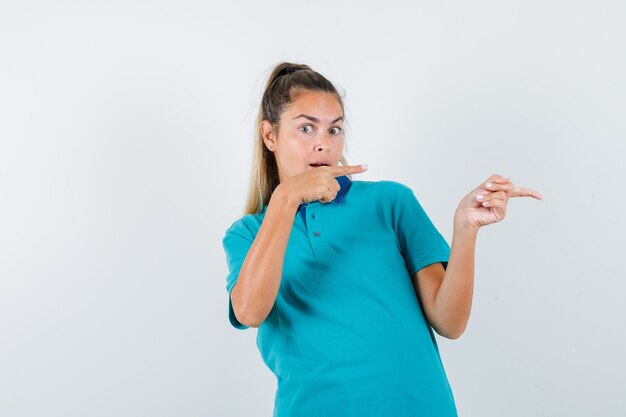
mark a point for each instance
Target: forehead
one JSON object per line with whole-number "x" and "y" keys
{"x": 314, "y": 103}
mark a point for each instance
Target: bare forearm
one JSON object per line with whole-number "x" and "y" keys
{"x": 257, "y": 286}
{"x": 454, "y": 298}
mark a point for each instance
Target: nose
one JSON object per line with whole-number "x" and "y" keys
{"x": 322, "y": 142}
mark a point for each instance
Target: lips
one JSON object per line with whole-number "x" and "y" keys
{"x": 319, "y": 163}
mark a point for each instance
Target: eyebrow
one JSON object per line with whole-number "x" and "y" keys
{"x": 315, "y": 119}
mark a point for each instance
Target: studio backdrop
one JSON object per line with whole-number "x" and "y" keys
{"x": 126, "y": 132}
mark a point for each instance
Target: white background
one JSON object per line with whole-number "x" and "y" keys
{"x": 126, "y": 134}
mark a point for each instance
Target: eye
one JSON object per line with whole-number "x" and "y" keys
{"x": 335, "y": 130}
{"x": 306, "y": 129}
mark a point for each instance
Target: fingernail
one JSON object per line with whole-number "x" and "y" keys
{"x": 364, "y": 166}
{"x": 489, "y": 184}
{"x": 480, "y": 197}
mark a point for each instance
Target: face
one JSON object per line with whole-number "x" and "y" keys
{"x": 310, "y": 132}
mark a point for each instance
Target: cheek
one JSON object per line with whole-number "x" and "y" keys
{"x": 296, "y": 151}
{"x": 292, "y": 145}
{"x": 339, "y": 147}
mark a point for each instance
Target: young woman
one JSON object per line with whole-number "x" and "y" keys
{"x": 346, "y": 280}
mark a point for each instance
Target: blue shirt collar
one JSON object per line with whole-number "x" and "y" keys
{"x": 344, "y": 183}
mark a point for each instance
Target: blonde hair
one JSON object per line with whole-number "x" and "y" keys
{"x": 277, "y": 95}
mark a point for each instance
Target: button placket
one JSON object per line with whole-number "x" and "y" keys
{"x": 316, "y": 237}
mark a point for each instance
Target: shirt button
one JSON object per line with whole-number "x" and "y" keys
{"x": 316, "y": 234}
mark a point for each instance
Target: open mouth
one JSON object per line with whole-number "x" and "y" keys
{"x": 318, "y": 165}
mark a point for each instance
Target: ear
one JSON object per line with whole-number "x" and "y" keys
{"x": 269, "y": 134}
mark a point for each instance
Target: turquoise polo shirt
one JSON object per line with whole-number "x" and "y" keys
{"x": 347, "y": 335}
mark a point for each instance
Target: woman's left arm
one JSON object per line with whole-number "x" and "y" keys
{"x": 446, "y": 296}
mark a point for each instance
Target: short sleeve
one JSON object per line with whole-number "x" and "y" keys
{"x": 236, "y": 242}
{"x": 420, "y": 242}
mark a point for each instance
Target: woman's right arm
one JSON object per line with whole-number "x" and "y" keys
{"x": 255, "y": 292}
{"x": 257, "y": 285}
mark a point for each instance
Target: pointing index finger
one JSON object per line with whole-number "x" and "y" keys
{"x": 339, "y": 171}
{"x": 525, "y": 192}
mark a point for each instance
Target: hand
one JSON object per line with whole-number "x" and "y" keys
{"x": 475, "y": 212}
{"x": 318, "y": 183}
